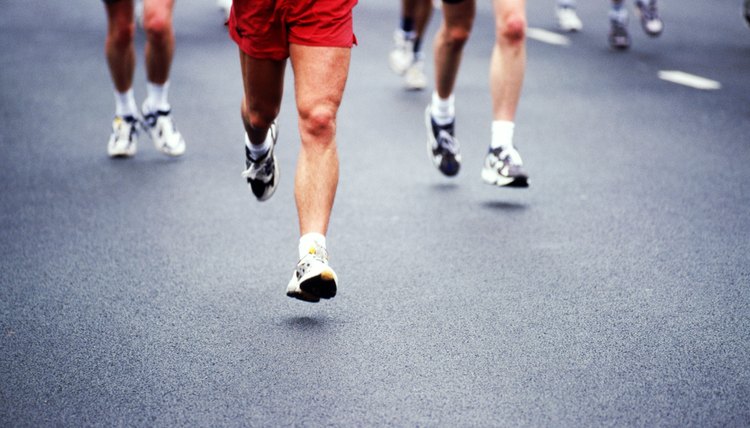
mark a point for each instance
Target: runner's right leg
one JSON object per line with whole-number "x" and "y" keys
{"x": 264, "y": 86}
{"x": 120, "y": 52}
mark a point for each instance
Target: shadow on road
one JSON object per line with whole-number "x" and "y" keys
{"x": 305, "y": 323}
{"x": 504, "y": 206}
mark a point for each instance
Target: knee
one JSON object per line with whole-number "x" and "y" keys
{"x": 456, "y": 37}
{"x": 259, "y": 118}
{"x": 319, "y": 122}
{"x": 511, "y": 29}
{"x": 158, "y": 26}
{"x": 121, "y": 34}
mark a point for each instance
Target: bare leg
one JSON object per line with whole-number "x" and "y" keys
{"x": 508, "y": 63}
{"x": 319, "y": 79}
{"x": 264, "y": 86}
{"x": 450, "y": 39}
{"x": 157, "y": 21}
{"x": 419, "y": 11}
{"x": 119, "y": 46}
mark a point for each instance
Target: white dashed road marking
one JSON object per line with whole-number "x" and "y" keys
{"x": 545, "y": 36}
{"x": 687, "y": 79}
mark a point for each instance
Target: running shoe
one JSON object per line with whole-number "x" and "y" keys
{"x": 746, "y": 10}
{"x": 313, "y": 279}
{"x": 650, "y": 21}
{"x": 402, "y": 55}
{"x": 414, "y": 77}
{"x": 567, "y": 19}
{"x": 618, "y": 33}
{"x": 262, "y": 175}
{"x": 124, "y": 139}
{"x": 442, "y": 145}
{"x": 504, "y": 167}
{"x": 164, "y": 134}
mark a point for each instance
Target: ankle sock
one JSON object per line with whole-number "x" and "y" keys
{"x": 156, "y": 96}
{"x": 443, "y": 110}
{"x": 309, "y": 241}
{"x": 125, "y": 103}
{"x": 502, "y": 134}
{"x": 257, "y": 151}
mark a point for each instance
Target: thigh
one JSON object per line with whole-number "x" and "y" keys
{"x": 120, "y": 11}
{"x": 320, "y": 75}
{"x": 459, "y": 14}
{"x": 263, "y": 81}
{"x": 161, "y": 8}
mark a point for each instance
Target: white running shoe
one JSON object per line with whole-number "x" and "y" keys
{"x": 414, "y": 77}
{"x": 160, "y": 126}
{"x": 402, "y": 55}
{"x": 124, "y": 139}
{"x": 567, "y": 19}
{"x": 313, "y": 279}
{"x": 504, "y": 167}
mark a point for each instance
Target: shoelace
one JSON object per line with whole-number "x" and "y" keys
{"x": 125, "y": 129}
{"x": 511, "y": 156}
{"x": 447, "y": 142}
{"x": 263, "y": 171}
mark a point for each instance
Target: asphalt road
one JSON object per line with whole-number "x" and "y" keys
{"x": 615, "y": 291}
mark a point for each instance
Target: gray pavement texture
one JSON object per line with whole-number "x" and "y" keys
{"x": 615, "y": 291}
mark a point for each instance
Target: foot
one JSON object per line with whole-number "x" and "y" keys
{"x": 414, "y": 77}
{"x": 567, "y": 19}
{"x": 618, "y": 34}
{"x": 504, "y": 167}
{"x": 160, "y": 126}
{"x": 402, "y": 55}
{"x": 442, "y": 145}
{"x": 262, "y": 175}
{"x": 650, "y": 21}
{"x": 124, "y": 139}
{"x": 313, "y": 279}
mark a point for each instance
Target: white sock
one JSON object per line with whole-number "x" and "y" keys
{"x": 443, "y": 110}
{"x": 618, "y": 13}
{"x": 257, "y": 151}
{"x": 156, "y": 96}
{"x": 125, "y": 103}
{"x": 502, "y": 134}
{"x": 309, "y": 241}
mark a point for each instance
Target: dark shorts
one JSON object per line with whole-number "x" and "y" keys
{"x": 264, "y": 29}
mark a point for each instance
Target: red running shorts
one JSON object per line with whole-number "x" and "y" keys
{"x": 263, "y": 29}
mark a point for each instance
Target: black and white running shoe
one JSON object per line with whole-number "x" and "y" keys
{"x": 618, "y": 34}
{"x": 313, "y": 279}
{"x": 650, "y": 21}
{"x": 123, "y": 142}
{"x": 442, "y": 145}
{"x": 262, "y": 175}
{"x": 504, "y": 168}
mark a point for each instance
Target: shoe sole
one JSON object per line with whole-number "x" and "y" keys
{"x": 121, "y": 154}
{"x": 494, "y": 179}
{"x": 321, "y": 286}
